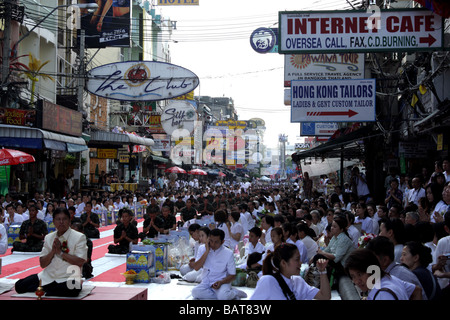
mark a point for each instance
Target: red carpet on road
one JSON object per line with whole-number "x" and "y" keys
{"x": 29, "y": 264}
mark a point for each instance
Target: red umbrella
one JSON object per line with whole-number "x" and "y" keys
{"x": 198, "y": 172}
{"x": 9, "y": 157}
{"x": 221, "y": 174}
{"x": 175, "y": 170}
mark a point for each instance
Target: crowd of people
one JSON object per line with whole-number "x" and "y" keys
{"x": 275, "y": 228}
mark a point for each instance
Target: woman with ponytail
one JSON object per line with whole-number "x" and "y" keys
{"x": 281, "y": 278}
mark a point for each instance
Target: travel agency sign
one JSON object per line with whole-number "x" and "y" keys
{"x": 359, "y": 31}
{"x": 141, "y": 81}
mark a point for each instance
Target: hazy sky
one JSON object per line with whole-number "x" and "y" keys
{"x": 213, "y": 41}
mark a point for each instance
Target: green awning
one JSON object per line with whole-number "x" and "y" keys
{"x": 160, "y": 159}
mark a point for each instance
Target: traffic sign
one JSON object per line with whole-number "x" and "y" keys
{"x": 360, "y": 31}
{"x": 351, "y": 100}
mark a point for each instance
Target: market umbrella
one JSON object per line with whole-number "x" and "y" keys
{"x": 175, "y": 170}
{"x": 10, "y": 157}
{"x": 199, "y": 172}
{"x": 221, "y": 174}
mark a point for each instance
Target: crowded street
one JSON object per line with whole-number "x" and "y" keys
{"x": 245, "y": 153}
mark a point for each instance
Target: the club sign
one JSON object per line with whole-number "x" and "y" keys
{"x": 141, "y": 81}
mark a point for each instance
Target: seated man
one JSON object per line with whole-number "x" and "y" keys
{"x": 62, "y": 257}
{"x": 90, "y": 222}
{"x": 124, "y": 233}
{"x": 87, "y": 266}
{"x": 153, "y": 224}
{"x": 33, "y": 230}
{"x": 219, "y": 270}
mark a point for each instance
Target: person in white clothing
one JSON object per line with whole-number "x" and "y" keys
{"x": 362, "y": 217}
{"x": 416, "y": 192}
{"x": 358, "y": 266}
{"x": 290, "y": 235}
{"x": 3, "y": 239}
{"x": 219, "y": 270}
{"x": 441, "y": 268}
{"x": 235, "y": 229}
{"x": 62, "y": 257}
{"x": 267, "y": 223}
{"x": 352, "y": 231}
{"x": 281, "y": 278}
{"x": 305, "y": 234}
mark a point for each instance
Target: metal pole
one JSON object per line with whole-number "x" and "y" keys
{"x": 81, "y": 70}
{"x": 6, "y": 51}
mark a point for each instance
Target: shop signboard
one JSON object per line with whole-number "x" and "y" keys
{"x": 333, "y": 100}
{"x": 60, "y": 119}
{"x": 141, "y": 81}
{"x": 107, "y": 153}
{"x": 323, "y": 66}
{"x": 318, "y": 129}
{"x": 18, "y": 117}
{"x": 372, "y": 30}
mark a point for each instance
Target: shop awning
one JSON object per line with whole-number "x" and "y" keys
{"x": 34, "y": 138}
{"x": 160, "y": 159}
{"x": 100, "y": 138}
{"x": 349, "y": 144}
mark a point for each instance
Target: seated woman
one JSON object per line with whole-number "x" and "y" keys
{"x": 281, "y": 278}
{"x": 362, "y": 265}
{"x": 417, "y": 257}
{"x": 124, "y": 233}
{"x": 338, "y": 249}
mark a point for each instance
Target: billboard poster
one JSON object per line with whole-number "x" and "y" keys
{"x": 108, "y": 25}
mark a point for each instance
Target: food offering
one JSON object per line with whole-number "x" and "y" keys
{"x": 130, "y": 276}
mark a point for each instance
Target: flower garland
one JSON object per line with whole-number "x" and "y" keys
{"x": 364, "y": 239}
{"x": 64, "y": 247}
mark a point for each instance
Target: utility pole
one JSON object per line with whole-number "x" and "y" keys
{"x": 6, "y": 50}
{"x": 81, "y": 70}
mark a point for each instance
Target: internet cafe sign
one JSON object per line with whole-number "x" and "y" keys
{"x": 360, "y": 31}
{"x": 141, "y": 81}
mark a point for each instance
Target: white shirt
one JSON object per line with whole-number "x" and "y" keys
{"x": 58, "y": 270}
{"x": 3, "y": 239}
{"x": 236, "y": 228}
{"x": 218, "y": 264}
{"x": 227, "y": 240}
{"x": 443, "y": 247}
{"x": 414, "y": 195}
{"x": 268, "y": 236}
{"x": 249, "y": 248}
{"x": 17, "y": 219}
{"x": 366, "y": 224}
{"x": 301, "y": 248}
{"x": 354, "y": 234}
{"x": 267, "y": 288}
{"x": 311, "y": 246}
{"x": 402, "y": 289}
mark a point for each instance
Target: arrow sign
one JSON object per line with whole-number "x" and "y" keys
{"x": 332, "y": 101}
{"x": 430, "y": 40}
{"x": 350, "y": 113}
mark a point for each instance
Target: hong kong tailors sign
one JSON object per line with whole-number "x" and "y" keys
{"x": 141, "y": 81}
{"x": 359, "y": 31}
{"x": 351, "y": 100}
